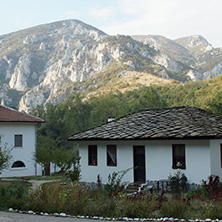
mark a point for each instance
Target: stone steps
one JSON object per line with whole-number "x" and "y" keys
{"x": 132, "y": 188}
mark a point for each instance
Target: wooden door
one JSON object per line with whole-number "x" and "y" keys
{"x": 139, "y": 164}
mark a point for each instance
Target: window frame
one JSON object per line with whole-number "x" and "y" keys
{"x": 221, "y": 155}
{"x": 92, "y": 155}
{"x": 19, "y": 142}
{"x": 19, "y": 162}
{"x": 108, "y": 158}
{"x": 176, "y": 157}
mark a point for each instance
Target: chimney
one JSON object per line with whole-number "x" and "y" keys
{"x": 110, "y": 119}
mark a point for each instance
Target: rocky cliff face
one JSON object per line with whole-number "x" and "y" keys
{"x": 45, "y": 63}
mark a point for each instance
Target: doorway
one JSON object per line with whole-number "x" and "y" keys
{"x": 139, "y": 164}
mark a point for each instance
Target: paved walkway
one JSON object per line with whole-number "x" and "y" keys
{"x": 17, "y": 217}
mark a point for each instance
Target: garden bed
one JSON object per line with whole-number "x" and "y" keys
{"x": 77, "y": 199}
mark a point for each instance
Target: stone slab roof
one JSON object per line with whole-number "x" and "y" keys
{"x": 169, "y": 123}
{"x": 10, "y": 115}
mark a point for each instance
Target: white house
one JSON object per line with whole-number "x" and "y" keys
{"x": 18, "y": 131}
{"x": 152, "y": 142}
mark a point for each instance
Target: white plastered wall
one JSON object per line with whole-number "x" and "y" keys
{"x": 124, "y": 161}
{"x": 158, "y": 158}
{"x": 24, "y": 153}
{"x": 215, "y": 160}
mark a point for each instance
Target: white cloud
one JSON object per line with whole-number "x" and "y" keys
{"x": 72, "y": 14}
{"x": 102, "y": 13}
{"x": 171, "y": 18}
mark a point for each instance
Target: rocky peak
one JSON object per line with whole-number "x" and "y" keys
{"x": 195, "y": 44}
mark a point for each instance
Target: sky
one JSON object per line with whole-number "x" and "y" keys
{"x": 170, "y": 18}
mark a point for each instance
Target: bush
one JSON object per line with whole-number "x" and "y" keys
{"x": 178, "y": 182}
{"x": 213, "y": 210}
{"x": 74, "y": 174}
{"x": 213, "y": 187}
{"x": 115, "y": 184}
{"x": 13, "y": 194}
{"x": 174, "y": 208}
{"x": 54, "y": 197}
{"x": 137, "y": 206}
{"x": 200, "y": 194}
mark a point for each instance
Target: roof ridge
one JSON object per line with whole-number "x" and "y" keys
{"x": 22, "y": 113}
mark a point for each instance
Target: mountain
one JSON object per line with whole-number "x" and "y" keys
{"x": 44, "y": 64}
{"x": 194, "y": 51}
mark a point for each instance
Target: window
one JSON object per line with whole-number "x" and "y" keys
{"x": 18, "y": 140}
{"x": 92, "y": 152}
{"x": 221, "y": 155}
{"x": 179, "y": 156}
{"x": 18, "y": 164}
{"x": 111, "y": 155}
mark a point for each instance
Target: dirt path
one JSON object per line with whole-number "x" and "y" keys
{"x": 37, "y": 183}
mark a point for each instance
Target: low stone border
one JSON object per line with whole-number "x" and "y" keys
{"x": 165, "y": 219}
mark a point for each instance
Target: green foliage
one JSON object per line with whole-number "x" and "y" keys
{"x": 5, "y": 155}
{"x": 200, "y": 194}
{"x": 216, "y": 103}
{"x": 141, "y": 205}
{"x": 57, "y": 198}
{"x": 106, "y": 106}
{"x": 51, "y": 138}
{"x": 13, "y": 193}
{"x": 63, "y": 158}
{"x": 150, "y": 99}
{"x": 213, "y": 210}
{"x": 115, "y": 184}
{"x": 76, "y": 199}
{"x": 178, "y": 182}
{"x": 176, "y": 208}
{"x": 74, "y": 174}
{"x": 76, "y": 114}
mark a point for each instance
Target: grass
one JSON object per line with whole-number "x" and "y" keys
{"x": 13, "y": 193}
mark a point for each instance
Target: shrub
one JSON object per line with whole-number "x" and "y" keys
{"x": 115, "y": 184}
{"x": 105, "y": 207}
{"x": 200, "y": 194}
{"x": 174, "y": 208}
{"x": 140, "y": 206}
{"x": 213, "y": 210}
{"x": 178, "y": 182}
{"x": 213, "y": 187}
{"x": 54, "y": 197}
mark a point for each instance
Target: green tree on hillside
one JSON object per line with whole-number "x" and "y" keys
{"x": 150, "y": 99}
{"x": 5, "y": 155}
{"x": 215, "y": 105}
{"x": 76, "y": 114}
{"x": 107, "y": 106}
{"x": 50, "y": 135}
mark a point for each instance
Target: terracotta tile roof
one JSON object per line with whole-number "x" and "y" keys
{"x": 169, "y": 123}
{"x": 10, "y": 115}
